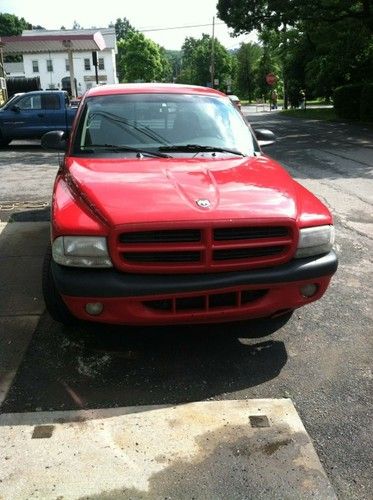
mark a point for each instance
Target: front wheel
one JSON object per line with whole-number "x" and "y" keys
{"x": 261, "y": 327}
{"x": 4, "y": 141}
{"x": 53, "y": 301}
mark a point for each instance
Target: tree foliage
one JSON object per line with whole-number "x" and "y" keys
{"x": 319, "y": 46}
{"x": 11, "y": 25}
{"x": 140, "y": 59}
{"x": 248, "y": 57}
{"x": 122, "y": 28}
{"x": 175, "y": 60}
{"x": 197, "y": 61}
{"x": 247, "y": 15}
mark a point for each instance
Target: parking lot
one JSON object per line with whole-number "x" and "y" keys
{"x": 320, "y": 359}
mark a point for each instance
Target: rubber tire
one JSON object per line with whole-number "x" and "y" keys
{"x": 4, "y": 142}
{"x": 53, "y": 301}
{"x": 262, "y": 327}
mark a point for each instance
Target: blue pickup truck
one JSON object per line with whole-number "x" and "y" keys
{"x": 32, "y": 114}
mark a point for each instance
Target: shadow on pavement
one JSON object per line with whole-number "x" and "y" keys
{"x": 32, "y": 215}
{"x": 319, "y": 149}
{"x": 99, "y": 366}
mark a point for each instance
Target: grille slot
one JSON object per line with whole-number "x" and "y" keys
{"x": 246, "y": 253}
{"x": 223, "y": 300}
{"x": 160, "y": 257}
{"x": 251, "y": 295}
{"x": 189, "y": 303}
{"x": 250, "y": 233}
{"x": 162, "y": 236}
{"x": 209, "y": 302}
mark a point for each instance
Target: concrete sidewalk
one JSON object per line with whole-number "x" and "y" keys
{"x": 22, "y": 248}
{"x": 206, "y": 450}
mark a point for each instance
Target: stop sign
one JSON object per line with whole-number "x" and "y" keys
{"x": 271, "y": 79}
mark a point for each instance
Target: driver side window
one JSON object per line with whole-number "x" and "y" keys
{"x": 29, "y": 102}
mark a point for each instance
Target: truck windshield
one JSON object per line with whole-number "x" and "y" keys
{"x": 161, "y": 122}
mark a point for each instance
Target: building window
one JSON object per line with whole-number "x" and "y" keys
{"x": 87, "y": 64}
{"x": 67, "y": 65}
{"x": 35, "y": 66}
{"x": 101, "y": 63}
{"x": 49, "y": 65}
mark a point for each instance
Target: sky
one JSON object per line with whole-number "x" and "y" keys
{"x": 142, "y": 14}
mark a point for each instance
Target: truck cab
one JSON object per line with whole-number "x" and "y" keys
{"x": 30, "y": 115}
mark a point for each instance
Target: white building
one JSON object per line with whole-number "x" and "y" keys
{"x": 51, "y": 63}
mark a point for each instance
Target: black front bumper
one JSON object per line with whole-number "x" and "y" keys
{"x": 78, "y": 282}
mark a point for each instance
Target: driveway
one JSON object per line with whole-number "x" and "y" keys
{"x": 320, "y": 359}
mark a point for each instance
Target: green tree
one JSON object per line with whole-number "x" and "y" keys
{"x": 248, "y": 57}
{"x": 246, "y": 15}
{"x": 175, "y": 60}
{"x": 139, "y": 59}
{"x": 319, "y": 46}
{"x": 166, "y": 74}
{"x": 343, "y": 53}
{"x": 197, "y": 61}
{"x": 11, "y": 25}
{"x": 122, "y": 28}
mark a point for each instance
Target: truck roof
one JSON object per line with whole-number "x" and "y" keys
{"x": 151, "y": 88}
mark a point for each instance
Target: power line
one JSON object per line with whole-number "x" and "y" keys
{"x": 178, "y": 27}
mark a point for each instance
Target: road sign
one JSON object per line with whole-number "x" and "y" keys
{"x": 271, "y": 79}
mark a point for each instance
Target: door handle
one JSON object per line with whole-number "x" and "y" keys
{"x": 40, "y": 115}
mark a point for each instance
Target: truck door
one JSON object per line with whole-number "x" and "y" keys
{"x": 24, "y": 118}
{"x": 54, "y": 112}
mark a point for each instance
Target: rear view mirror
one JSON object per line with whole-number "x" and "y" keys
{"x": 15, "y": 108}
{"x": 55, "y": 140}
{"x": 264, "y": 136}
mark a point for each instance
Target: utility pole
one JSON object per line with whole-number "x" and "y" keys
{"x": 212, "y": 65}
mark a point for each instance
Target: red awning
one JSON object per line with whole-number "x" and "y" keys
{"x": 51, "y": 43}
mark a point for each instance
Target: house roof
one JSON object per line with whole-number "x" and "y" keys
{"x": 56, "y": 41}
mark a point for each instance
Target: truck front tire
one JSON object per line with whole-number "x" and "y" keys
{"x": 53, "y": 301}
{"x": 3, "y": 141}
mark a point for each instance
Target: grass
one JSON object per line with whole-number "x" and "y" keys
{"x": 327, "y": 114}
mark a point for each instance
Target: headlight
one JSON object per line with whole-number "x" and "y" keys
{"x": 81, "y": 251}
{"x": 315, "y": 241}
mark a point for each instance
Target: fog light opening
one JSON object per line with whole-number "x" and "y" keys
{"x": 309, "y": 290}
{"x": 94, "y": 308}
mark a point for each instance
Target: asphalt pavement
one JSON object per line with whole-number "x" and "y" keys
{"x": 320, "y": 359}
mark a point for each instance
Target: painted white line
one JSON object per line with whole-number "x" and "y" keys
{"x": 199, "y": 450}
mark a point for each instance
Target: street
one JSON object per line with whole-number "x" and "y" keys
{"x": 321, "y": 359}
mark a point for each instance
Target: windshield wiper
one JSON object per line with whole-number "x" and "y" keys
{"x": 195, "y": 148}
{"x": 124, "y": 123}
{"x": 115, "y": 149}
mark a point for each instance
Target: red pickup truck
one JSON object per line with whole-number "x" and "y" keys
{"x": 166, "y": 211}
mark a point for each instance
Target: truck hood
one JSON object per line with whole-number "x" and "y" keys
{"x": 158, "y": 189}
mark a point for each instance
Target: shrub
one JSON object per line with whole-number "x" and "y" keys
{"x": 347, "y": 101}
{"x": 366, "y": 103}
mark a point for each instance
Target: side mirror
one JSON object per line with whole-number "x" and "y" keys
{"x": 264, "y": 136}
{"x": 55, "y": 140}
{"x": 15, "y": 108}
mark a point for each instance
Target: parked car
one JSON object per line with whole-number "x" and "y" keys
{"x": 236, "y": 101}
{"x": 166, "y": 211}
{"x": 30, "y": 115}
